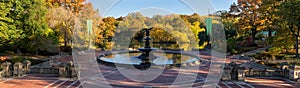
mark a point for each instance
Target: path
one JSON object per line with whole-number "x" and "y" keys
{"x": 165, "y": 79}
{"x": 237, "y": 57}
{"x": 117, "y": 81}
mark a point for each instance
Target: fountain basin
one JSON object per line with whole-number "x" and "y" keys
{"x": 168, "y": 59}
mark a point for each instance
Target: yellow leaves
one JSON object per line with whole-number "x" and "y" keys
{"x": 68, "y": 1}
{"x": 260, "y": 28}
{"x": 203, "y": 45}
{"x": 48, "y": 31}
{"x": 196, "y": 23}
{"x": 68, "y": 4}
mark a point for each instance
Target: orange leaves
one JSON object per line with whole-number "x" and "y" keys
{"x": 250, "y": 15}
{"x": 73, "y": 5}
{"x": 3, "y": 58}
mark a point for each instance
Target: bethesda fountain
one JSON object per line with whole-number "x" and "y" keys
{"x": 147, "y": 56}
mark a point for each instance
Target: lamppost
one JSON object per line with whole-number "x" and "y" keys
{"x": 89, "y": 30}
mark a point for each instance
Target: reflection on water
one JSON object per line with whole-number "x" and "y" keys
{"x": 185, "y": 46}
{"x": 162, "y": 58}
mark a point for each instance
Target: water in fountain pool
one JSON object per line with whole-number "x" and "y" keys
{"x": 161, "y": 59}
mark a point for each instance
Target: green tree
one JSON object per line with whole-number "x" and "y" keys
{"x": 268, "y": 11}
{"x": 7, "y": 28}
{"x": 17, "y": 15}
{"x": 36, "y": 27}
{"x": 229, "y": 21}
{"x": 126, "y": 28}
{"x": 23, "y": 23}
{"x": 283, "y": 40}
{"x": 289, "y": 15}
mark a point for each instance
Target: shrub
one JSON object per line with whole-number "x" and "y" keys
{"x": 232, "y": 46}
{"x": 246, "y": 49}
{"x": 261, "y": 62}
{"x": 21, "y": 59}
{"x": 260, "y": 36}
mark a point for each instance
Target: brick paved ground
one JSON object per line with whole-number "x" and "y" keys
{"x": 168, "y": 76}
{"x": 116, "y": 79}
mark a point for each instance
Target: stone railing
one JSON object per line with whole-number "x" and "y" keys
{"x": 279, "y": 61}
{"x": 44, "y": 68}
{"x": 49, "y": 67}
{"x": 264, "y": 73}
{"x": 44, "y": 71}
{"x": 64, "y": 70}
{"x": 68, "y": 70}
{"x": 17, "y": 69}
{"x": 54, "y": 66}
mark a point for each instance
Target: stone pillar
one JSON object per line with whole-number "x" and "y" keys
{"x": 226, "y": 75}
{"x": 69, "y": 69}
{"x": 73, "y": 72}
{"x": 62, "y": 70}
{"x": 241, "y": 73}
{"x": 6, "y": 69}
{"x": 77, "y": 69}
{"x": 18, "y": 69}
{"x": 1, "y": 74}
{"x": 250, "y": 72}
{"x": 26, "y": 66}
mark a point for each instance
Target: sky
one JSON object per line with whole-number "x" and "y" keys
{"x": 117, "y": 8}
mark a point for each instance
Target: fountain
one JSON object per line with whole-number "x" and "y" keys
{"x": 148, "y": 57}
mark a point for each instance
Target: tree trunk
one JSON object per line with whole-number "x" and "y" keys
{"x": 253, "y": 36}
{"x": 37, "y": 52}
{"x": 18, "y": 50}
{"x": 297, "y": 43}
{"x": 18, "y": 47}
{"x": 270, "y": 32}
{"x": 65, "y": 40}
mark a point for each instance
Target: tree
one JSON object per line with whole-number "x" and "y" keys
{"x": 283, "y": 40}
{"x": 89, "y": 13}
{"x": 62, "y": 22}
{"x": 108, "y": 29}
{"x": 229, "y": 21}
{"x": 35, "y": 26}
{"x": 7, "y": 28}
{"x": 268, "y": 11}
{"x": 249, "y": 16}
{"x": 17, "y": 15}
{"x": 73, "y": 5}
{"x": 129, "y": 25}
{"x": 289, "y": 15}
{"x": 197, "y": 30}
{"x": 22, "y": 21}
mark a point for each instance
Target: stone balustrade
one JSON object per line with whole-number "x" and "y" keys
{"x": 68, "y": 70}
{"x": 17, "y": 69}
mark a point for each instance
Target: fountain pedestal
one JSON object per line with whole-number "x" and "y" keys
{"x": 147, "y": 57}
{"x": 146, "y": 54}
